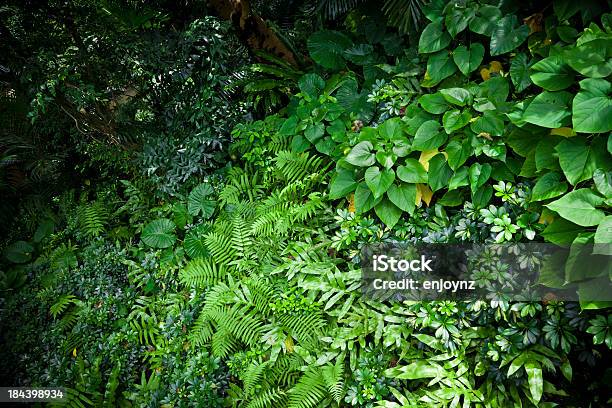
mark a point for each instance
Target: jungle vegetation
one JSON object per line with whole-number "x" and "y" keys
{"x": 186, "y": 187}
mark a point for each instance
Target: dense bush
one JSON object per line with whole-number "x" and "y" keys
{"x": 206, "y": 274}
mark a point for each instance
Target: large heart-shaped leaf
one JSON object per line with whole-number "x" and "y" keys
{"x": 434, "y": 103}
{"x": 159, "y": 233}
{"x": 364, "y": 199}
{"x": 439, "y": 67}
{"x": 549, "y": 109}
{"x": 485, "y": 20}
{"x": 507, "y": 36}
{"x": 433, "y": 38}
{"x": 342, "y": 183}
{"x": 429, "y": 136}
{"x": 439, "y": 173}
{"x": 592, "y": 59}
{"x": 552, "y": 74}
{"x": 379, "y": 181}
{"x": 457, "y": 96}
{"x": 455, "y": 120}
{"x": 412, "y": 172}
{"x": 578, "y": 207}
{"x": 327, "y": 48}
{"x": 361, "y": 154}
{"x": 519, "y": 72}
{"x": 468, "y": 60}
{"x": 403, "y": 196}
{"x": 388, "y": 212}
{"x": 592, "y": 107}
{"x": 548, "y": 186}
{"x": 575, "y": 160}
{"x": 200, "y": 201}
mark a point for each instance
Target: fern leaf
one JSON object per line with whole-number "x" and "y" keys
{"x": 310, "y": 390}
{"x": 201, "y": 273}
{"x": 273, "y": 397}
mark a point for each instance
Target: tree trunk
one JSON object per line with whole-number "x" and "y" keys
{"x": 252, "y": 29}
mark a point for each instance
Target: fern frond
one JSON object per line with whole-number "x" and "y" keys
{"x": 92, "y": 219}
{"x": 333, "y": 376}
{"x": 273, "y": 397}
{"x": 303, "y": 327}
{"x": 62, "y": 304}
{"x": 310, "y": 390}
{"x": 222, "y": 343}
{"x": 220, "y": 247}
{"x": 202, "y": 272}
{"x": 241, "y": 321}
{"x": 296, "y": 166}
{"x": 202, "y": 330}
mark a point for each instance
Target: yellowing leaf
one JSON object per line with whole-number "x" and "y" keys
{"x": 423, "y": 192}
{"x": 426, "y": 156}
{"x": 547, "y": 217}
{"x": 74, "y": 352}
{"x": 485, "y": 74}
{"x": 351, "y": 200}
{"x": 534, "y": 22}
{"x": 289, "y": 344}
{"x": 495, "y": 66}
{"x": 563, "y": 131}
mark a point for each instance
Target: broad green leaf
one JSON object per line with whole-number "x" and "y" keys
{"x": 578, "y": 207}
{"x": 592, "y": 59}
{"x": 485, "y": 20}
{"x": 468, "y": 60}
{"x": 534, "y": 377}
{"x": 561, "y": 232}
{"x": 200, "y": 201}
{"x": 490, "y": 122}
{"x": 412, "y": 172}
{"x": 194, "y": 244}
{"x": 433, "y": 38}
{"x": 439, "y": 67}
{"x": 506, "y": 36}
{"x": 360, "y": 54}
{"x": 364, "y": 199}
{"x": 603, "y": 182}
{"x": 314, "y": 132}
{"x": 603, "y": 235}
{"x": 457, "y": 19}
{"x": 548, "y": 186}
{"x": 325, "y": 145}
{"x": 327, "y": 47}
{"x": 391, "y": 129}
{"x": 434, "y": 103}
{"x": 19, "y": 252}
{"x": 439, "y": 173}
{"x": 495, "y": 89}
{"x": 386, "y": 159}
{"x": 342, "y": 183}
{"x": 403, "y": 196}
{"x": 552, "y": 74}
{"x": 379, "y": 181}
{"x": 458, "y": 152}
{"x": 549, "y": 109}
{"x": 361, "y": 154}
{"x": 159, "y": 233}
{"x": 546, "y": 156}
{"x": 415, "y": 371}
{"x": 311, "y": 85}
{"x": 459, "y": 179}
{"x": 575, "y": 159}
{"x": 388, "y": 212}
{"x": 429, "y": 136}
{"x": 454, "y": 120}
{"x": 479, "y": 174}
{"x": 592, "y": 107}
{"x": 519, "y": 72}
{"x": 457, "y": 96}
{"x": 353, "y": 101}
{"x": 44, "y": 229}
